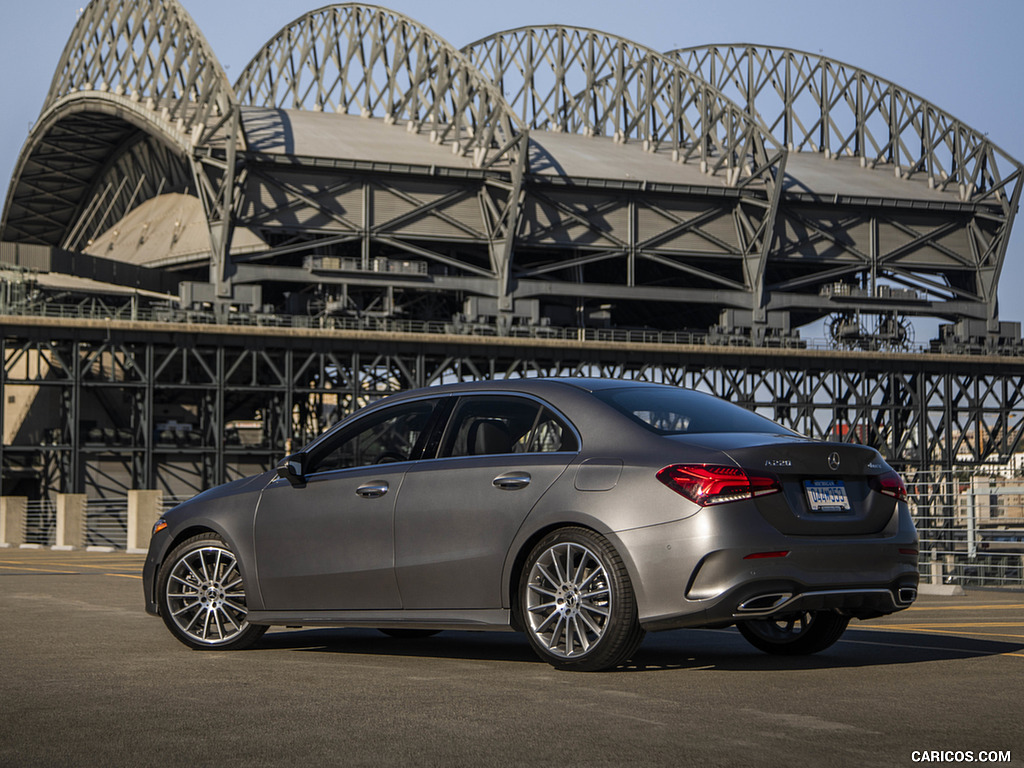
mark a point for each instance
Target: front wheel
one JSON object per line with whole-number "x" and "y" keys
{"x": 577, "y": 603}
{"x": 795, "y": 634}
{"x": 202, "y": 597}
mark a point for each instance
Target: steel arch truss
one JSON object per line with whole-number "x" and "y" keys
{"x": 139, "y": 106}
{"x": 590, "y": 83}
{"x": 377, "y": 63}
{"x": 815, "y": 104}
{"x": 582, "y": 81}
{"x": 137, "y": 92}
{"x": 151, "y": 51}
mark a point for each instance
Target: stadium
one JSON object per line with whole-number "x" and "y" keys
{"x": 368, "y": 207}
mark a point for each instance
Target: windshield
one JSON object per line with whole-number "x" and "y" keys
{"x": 685, "y": 412}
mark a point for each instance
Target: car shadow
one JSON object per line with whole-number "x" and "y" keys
{"x": 722, "y": 650}
{"x": 726, "y": 650}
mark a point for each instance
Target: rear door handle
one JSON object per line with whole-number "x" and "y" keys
{"x": 511, "y": 481}
{"x": 373, "y": 490}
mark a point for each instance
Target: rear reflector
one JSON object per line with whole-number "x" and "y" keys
{"x": 890, "y": 484}
{"x": 760, "y": 555}
{"x": 708, "y": 484}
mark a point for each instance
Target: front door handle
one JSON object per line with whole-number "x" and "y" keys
{"x": 372, "y": 490}
{"x": 511, "y": 481}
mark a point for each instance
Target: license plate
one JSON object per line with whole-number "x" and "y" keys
{"x": 827, "y": 495}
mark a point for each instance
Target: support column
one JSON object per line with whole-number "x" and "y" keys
{"x": 144, "y": 508}
{"x": 12, "y": 520}
{"x": 70, "y": 532}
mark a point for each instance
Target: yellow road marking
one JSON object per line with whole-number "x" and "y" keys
{"x": 61, "y": 572}
{"x": 969, "y": 634}
{"x": 948, "y": 625}
{"x": 37, "y": 570}
{"x": 998, "y": 607}
{"x": 65, "y": 564}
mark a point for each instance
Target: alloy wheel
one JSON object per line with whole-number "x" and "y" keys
{"x": 569, "y": 600}
{"x": 205, "y": 595}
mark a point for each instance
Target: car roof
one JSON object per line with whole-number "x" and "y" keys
{"x": 535, "y": 385}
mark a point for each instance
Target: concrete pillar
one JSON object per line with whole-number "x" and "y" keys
{"x": 12, "y": 520}
{"x": 144, "y": 508}
{"x": 935, "y": 568}
{"x": 70, "y": 521}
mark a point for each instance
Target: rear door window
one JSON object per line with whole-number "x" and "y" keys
{"x": 489, "y": 425}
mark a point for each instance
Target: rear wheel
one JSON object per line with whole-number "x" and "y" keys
{"x": 577, "y": 603}
{"x": 202, "y": 597}
{"x": 795, "y": 634}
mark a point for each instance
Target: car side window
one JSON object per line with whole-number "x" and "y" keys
{"x": 391, "y": 435}
{"x": 488, "y": 425}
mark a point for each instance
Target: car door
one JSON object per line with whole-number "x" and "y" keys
{"x": 326, "y": 541}
{"x": 457, "y": 514}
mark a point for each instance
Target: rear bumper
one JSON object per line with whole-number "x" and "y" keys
{"x": 699, "y": 573}
{"x": 763, "y": 600}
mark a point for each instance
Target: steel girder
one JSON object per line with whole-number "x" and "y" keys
{"x": 156, "y": 404}
{"x": 816, "y": 104}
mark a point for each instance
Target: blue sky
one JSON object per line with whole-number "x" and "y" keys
{"x": 965, "y": 57}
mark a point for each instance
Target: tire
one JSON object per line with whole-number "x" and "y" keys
{"x": 403, "y": 633}
{"x": 576, "y": 603}
{"x": 202, "y": 597}
{"x": 797, "y": 634}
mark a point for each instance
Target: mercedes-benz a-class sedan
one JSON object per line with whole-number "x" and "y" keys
{"x": 581, "y": 512}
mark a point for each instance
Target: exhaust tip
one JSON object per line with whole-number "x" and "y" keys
{"x": 906, "y": 594}
{"x": 763, "y": 603}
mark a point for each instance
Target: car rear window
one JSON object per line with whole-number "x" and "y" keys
{"x": 683, "y": 411}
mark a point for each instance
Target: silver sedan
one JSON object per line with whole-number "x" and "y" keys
{"x": 582, "y": 512}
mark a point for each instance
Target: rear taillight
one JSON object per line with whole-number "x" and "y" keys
{"x": 708, "y": 484}
{"x": 891, "y": 484}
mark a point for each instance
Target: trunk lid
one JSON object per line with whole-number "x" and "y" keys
{"x": 825, "y": 486}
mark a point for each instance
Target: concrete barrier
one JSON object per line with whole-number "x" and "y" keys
{"x": 144, "y": 508}
{"x": 70, "y": 533}
{"x": 12, "y": 520}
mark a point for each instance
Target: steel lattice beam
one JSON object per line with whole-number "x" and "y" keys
{"x": 919, "y": 411}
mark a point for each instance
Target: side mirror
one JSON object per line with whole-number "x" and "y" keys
{"x": 292, "y": 469}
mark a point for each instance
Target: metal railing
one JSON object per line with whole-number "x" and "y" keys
{"x": 40, "y": 523}
{"x": 106, "y": 523}
{"x": 135, "y": 312}
{"x": 971, "y": 529}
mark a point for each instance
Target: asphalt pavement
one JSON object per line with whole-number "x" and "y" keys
{"x": 89, "y": 679}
